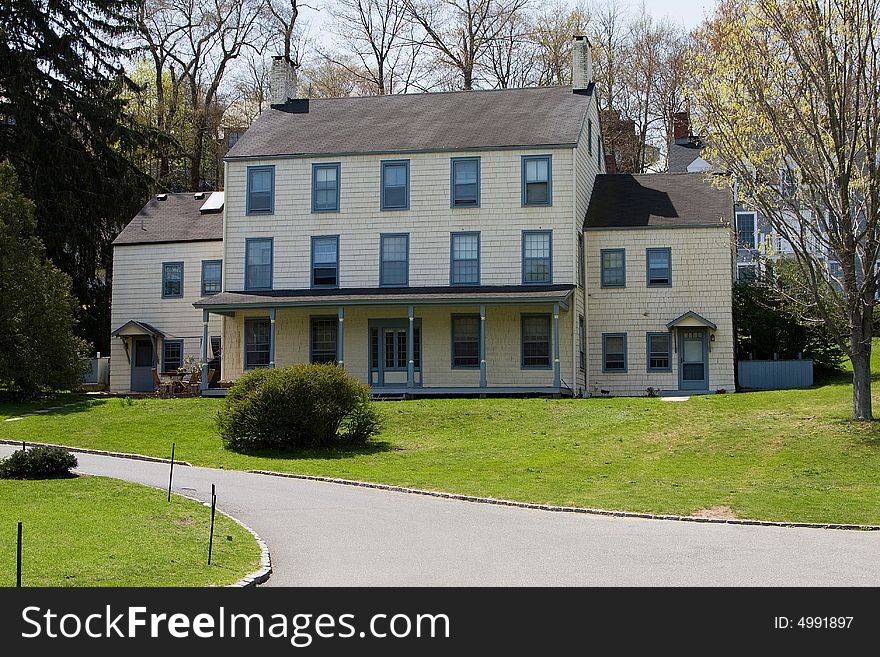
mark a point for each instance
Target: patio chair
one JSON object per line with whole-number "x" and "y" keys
{"x": 163, "y": 388}
{"x": 191, "y": 386}
{"x": 212, "y": 377}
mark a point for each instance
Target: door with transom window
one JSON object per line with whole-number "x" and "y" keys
{"x": 388, "y": 361}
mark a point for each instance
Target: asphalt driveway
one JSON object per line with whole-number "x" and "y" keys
{"x": 324, "y": 534}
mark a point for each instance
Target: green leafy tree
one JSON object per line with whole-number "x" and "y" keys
{"x": 38, "y": 348}
{"x": 64, "y": 127}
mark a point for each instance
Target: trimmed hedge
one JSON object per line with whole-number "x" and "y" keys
{"x": 297, "y": 406}
{"x": 38, "y": 463}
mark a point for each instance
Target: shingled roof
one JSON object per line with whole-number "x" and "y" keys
{"x": 659, "y": 200}
{"x": 458, "y": 120}
{"x": 177, "y": 218}
{"x": 682, "y": 154}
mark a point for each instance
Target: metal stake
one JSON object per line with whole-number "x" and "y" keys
{"x": 213, "y": 510}
{"x": 18, "y": 559}
{"x": 171, "y": 473}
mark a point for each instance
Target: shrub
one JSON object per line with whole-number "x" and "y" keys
{"x": 297, "y": 406}
{"x": 37, "y": 463}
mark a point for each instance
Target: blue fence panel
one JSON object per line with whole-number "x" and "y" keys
{"x": 775, "y": 374}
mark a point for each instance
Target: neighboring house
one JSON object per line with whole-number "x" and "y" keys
{"x": 453, "y": 243}
{"x": 659, "y": 268}
{"x": 169, "y": 256}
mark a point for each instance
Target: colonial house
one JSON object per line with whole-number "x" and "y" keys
{"x": 448, "y": 243}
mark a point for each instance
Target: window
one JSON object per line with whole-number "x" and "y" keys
{"x": 599, "y": 154}
{"x": 232, "y": 139}
{"x": 465, "y": 341}
{"x": 659, "y": 265}
{"x": 325, "y": 261}
{"x": 745, "y": 230}
{"x": 465, "y": 182}
{"x": 324, "y": 333}
{"x": 212, "y": 276}
{"x": 659, "y": 349}
{"x": 614, "y": 352}
{"x": 395, "y": 185}
{"x": 536, "y": 180}
{"x": 394, "y": 260}
{"x": 746, "y": 273}
{"x": 536, "y": 341}
{"x": 393, "y": 341}
{"x": 260, "y": 190}
{"x": 613, "y": 267}
{"x": 589, "y": 136}
{"x": 256, "y": 342}
{"x": 172, "y": 355}
{"x": 582, "y": 343}
{"x": 325, "y": 187}
{"x": 464, "y": 268}
{"x": 788, "y": 183}
{"x": 582, "y": 271}
{"x": 172, "y": 280}
{"x": 258, "y": 264}
{"x": 537, "y": 251}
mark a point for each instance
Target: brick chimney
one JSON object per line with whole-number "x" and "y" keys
{"x": 681, "y": 127}
{"x": 581, "y": 64}
{"x": 282, "y": 81}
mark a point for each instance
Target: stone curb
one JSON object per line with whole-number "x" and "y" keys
{"x": 564, "y": 509}
{"x": 99, "y": 452}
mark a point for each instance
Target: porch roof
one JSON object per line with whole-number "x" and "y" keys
{"x": 135, "y": 327}
{"x": 690, "y": 318}
{"x": 372, "y": 296}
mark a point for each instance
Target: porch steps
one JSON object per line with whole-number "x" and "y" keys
{"x": 388, "y": 396}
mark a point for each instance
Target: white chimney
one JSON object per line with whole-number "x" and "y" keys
{"x": 282, "y": 81}
{"x": 581, "y": 64}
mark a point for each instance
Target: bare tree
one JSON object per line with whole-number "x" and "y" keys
{"x": 462, "y": 31}
{"x": 790, "y": 95}
{"x": 513, "y": 57}
{"x": 552, "y": 33}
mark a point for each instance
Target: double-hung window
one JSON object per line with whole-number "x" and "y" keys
{"x": 394, "y": 260}
{"x": 746, "y": 230}
{"x": 325, "y": 187}
{"x": 536, "y": 341}
{"x": 614, "y": 352}
{"x": 659, "y": 352}
{"x": 260, "y": 190}
{"x": 582, "y": 267}
{"x": 325, "y": 261}
{"x": 465, "y": 259}
{"x": 537, "y": 255}
{"x": 172, "y": 355}
{"x": 536, "y": 180}
{"x": 582, "y": 343}
{"x": 256, "y": 342}
{"x": 324, "y": 331}
{"x": 465, "y": 182}
{"x": 212, "y": 275}
{"x": 395, "y": 185}
{"x": 659, "y": 265}
{"x": 589, "y": 136}
{"x": 258, "y": 263}
{"x": 465, "y": 341}
{"x": 613, "y": 264}
{"x": 172, "y": 280}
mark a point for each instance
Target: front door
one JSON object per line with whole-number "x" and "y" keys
{"x": 142, "y": 366}
{"x": 693, "y": 367}
{"x": 388, "y": 361}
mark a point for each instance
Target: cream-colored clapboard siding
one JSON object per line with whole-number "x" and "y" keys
{"x": 503, "y": 340}
{"x": 500, "y": 219}
{"x": 137, "y": 295}
{"x": 701, "y": 282}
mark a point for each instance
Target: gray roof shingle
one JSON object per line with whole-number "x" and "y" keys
{"x": 681, "y": 155}
{"x": 176, "y": 219}
{"x": 660, "y": 200}
{"x": 458, "y": 120}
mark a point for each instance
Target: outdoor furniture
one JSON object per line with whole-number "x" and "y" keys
{"x": 212, "y": 377}
{"x": 163, "y": 388}
{"x": 194, "y": 385}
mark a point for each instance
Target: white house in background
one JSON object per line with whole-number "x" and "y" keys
{"x": 168, "y": 257}
{"x": 456, "y": 243}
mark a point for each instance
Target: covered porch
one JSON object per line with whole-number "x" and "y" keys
{"x": 407, "y": 341}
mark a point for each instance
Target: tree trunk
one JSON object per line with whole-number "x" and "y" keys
{"x": 861, "y": 362}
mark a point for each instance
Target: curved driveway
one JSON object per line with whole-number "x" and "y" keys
{"x": 329, "y": 534}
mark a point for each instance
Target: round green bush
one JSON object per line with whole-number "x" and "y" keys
{"x": 37, "y": 463}
{"x": 297, "y": 406}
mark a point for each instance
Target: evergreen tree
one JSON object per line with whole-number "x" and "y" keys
{"x": 64, "y": 126}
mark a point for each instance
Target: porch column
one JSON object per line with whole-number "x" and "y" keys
{"x": 557, "y": 378}
{"x": 482, "y": 346}
{"x": 340, "y": 334}
{"x": 271, "y": 337}
{"x": 203, "y": 385}
{"x": 410, "y": 350}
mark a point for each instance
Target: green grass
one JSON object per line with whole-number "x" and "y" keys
{"x": 782, "y": 455}
{"x": 93, "y": 531}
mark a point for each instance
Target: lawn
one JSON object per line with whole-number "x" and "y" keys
{"x": 781, "y": 455}
{"x": 93, "y": 531}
